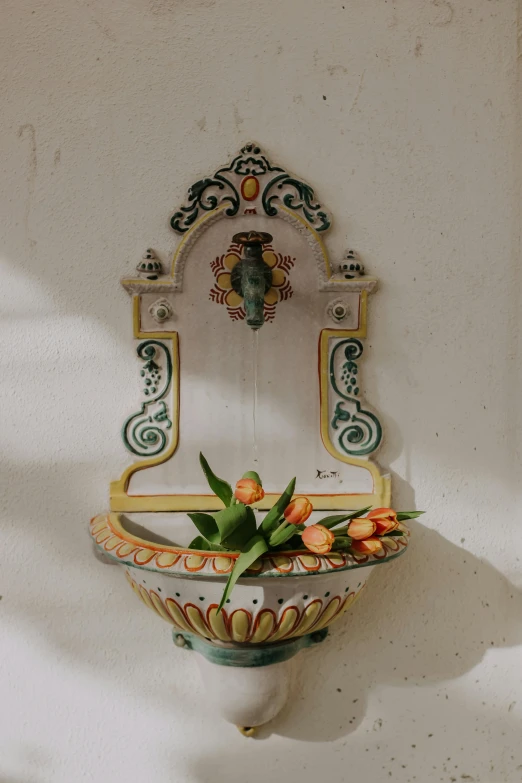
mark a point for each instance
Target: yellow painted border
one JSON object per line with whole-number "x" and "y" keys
{"x": 315, "y": 235}
{"x": 188, "y": 236}
{"x": 118, "y": 490}
{"x": 120, "y": 500}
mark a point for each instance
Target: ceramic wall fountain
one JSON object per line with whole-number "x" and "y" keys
{"x": 250, "y": 298}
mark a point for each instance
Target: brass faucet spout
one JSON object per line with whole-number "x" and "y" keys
{"x": 252, "y": 277}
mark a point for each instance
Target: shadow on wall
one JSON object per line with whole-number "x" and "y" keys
{"x": 434, "y": 614}
{"x": 428, "y": 618}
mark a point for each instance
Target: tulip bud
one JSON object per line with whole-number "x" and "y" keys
{"x": 367, "y": 547}
{"x": 385, "y": 520}
{"x": 248, "y": 491}
{"x": 298, "y": 511}
{"x": 359, "y": 529}
{"x": 318, "y": 539}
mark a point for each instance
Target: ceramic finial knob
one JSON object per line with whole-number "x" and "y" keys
{"x": 149, "y": 266}
{"x": 351, "y": 266}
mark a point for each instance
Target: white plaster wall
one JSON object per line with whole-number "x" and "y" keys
{"x": 404, "y": 115}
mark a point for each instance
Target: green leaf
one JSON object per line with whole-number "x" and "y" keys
{"x": 281, "y": 536}
{"x": 219, "y": 487}
{"x": 342, "y": 543}
{"x": 271, "y": 520}
{"x": 283, "y": 533}
{"x": 288, "y": 534}
{"x": 402, "y": 515}
{"x": 236, "y": 524}
{"x": 282, "y": 525}
{"x": 201, "y": 543}
{"x": 206, "y": 524}
{"x": 393, "y": 533}
{"x": 336, "y": 519}
{"x": 359, "y": 513}
{"x": 251, "y": 551}
{"x": 251, "y": 474}
{"x": 294, "y": 542}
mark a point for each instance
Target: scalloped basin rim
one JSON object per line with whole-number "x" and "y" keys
{"x": 159, "y": 555}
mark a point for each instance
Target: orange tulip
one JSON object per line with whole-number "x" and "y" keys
{"x": 249, "y": 491}
{"x": 385, "y": 520}
{"x": 368, "y": 547}
{"x": 361, "y": 528}
{"x": 318, "y": 539}
{"x": 298, "y": 511}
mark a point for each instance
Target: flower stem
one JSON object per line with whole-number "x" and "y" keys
{"x": 281, "y": 527}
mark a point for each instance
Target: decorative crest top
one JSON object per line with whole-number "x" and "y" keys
{"x": 250, "y": 184}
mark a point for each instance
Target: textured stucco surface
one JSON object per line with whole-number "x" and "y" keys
{"x": 404, "y": 115}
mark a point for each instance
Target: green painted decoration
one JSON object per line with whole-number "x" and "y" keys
{"x": 144, "y": 433}
{"x": 363, "y": 433}
{"x": 244, "y": 655}
{"x": 276, "y": 185}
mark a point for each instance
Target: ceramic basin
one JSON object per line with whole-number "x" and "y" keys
{"x": 281, "y": 597}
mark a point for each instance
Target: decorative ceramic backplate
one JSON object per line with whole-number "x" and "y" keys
{"x": 197, "y": 361}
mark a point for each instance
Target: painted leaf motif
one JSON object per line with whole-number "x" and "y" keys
{"x": 271, "y": 520}
{"x": 252, "y": 550}
{"x": 237, "y": 525}
{"x": 206, "y": 524}
{"x": 219, "y": 486}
